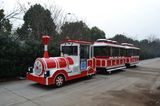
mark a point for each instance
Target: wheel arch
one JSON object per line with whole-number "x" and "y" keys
{"x": 51, "y": 80}
{"x": 60, "y": 74}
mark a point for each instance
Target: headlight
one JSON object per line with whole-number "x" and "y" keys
{"x": 30, "y": 69}
{"x": 47, "y": 73}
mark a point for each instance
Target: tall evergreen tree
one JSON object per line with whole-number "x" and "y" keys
{"x": 96, "y": 33}
{"x": 37, "y": 21}
{"x": 79, "y": 30}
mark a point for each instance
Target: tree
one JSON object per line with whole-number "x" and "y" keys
{"x": 37, "y": 22}
{"x": 5, "y": 26}
{"x": 75, "y": 30}
{"x": 122, "y": 39}
{"x": 149, "y": 48}
{"x": 96, "y": 33}
{"x": 9, "y": 57}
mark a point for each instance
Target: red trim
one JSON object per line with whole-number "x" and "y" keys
{"x": 98, "y": 62}
{"x": 38, "y": 79}
{"x": 102, "y": 57}
{"x": 90, "y": 62}
{"x": 94, "y": 63}
{"x": 108, "y": 63}
{"x": 91, "y": 70}
{"x": 103, "y": 63}
{"x": 83, "y": 74}
{"x": 113, "y": 62}
{"x": 117, "y": 62}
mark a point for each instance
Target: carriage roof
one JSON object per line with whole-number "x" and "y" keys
{"x": 106, "y": 42}
{"x": 112, "y": 43}
{"x": 77, "y": 42}
{"x": 129, "y": 46}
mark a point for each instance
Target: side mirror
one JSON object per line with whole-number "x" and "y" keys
{"x": 30, "y": 69}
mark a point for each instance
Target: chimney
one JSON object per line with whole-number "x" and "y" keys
{"x": 45, "y": 40}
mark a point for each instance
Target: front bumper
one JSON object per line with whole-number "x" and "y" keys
{"x": 37, "y": 79}
{"x": 40, "y": 80}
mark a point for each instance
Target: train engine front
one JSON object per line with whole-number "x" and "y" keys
{"x": 49, "y": 70}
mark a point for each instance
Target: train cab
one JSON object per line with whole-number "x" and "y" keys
{"x": 80, "y": 52}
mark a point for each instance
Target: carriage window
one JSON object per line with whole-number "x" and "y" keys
{"x": 122, "y": 52}
{"x": 102, "y": 51}
{"x": 70, "y": 50}
{"x": 129, "y": 52}
{"x": 134, "y": 52}
{"x": 137, "y": 52}
{"x": 115, "y": 51}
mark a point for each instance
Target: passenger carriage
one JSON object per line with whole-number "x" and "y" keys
{"x": 110, "y": 55}
{"x": 132, "y": 54}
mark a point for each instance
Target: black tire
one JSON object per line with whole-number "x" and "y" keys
{"x": 59, "y": 81}
{"x": 135, "y": 66}
{"x": 90, "y": 76}
{"x": 128, "y": 66}
{"x": 109, "y": 72}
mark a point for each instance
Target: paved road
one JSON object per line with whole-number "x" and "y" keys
{"x": 134, "y": 86}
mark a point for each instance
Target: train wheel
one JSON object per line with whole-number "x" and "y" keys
{"x": 128, "y": 65}
{"x": 90, "y": 76}
{"x": 109, "y": 72}
{"x": 59, "y": 81}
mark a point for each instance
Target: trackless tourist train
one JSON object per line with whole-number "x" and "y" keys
{"x": 79, "y": 59}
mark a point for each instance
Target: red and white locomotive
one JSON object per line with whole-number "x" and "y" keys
{"x": 80, "y": 58}
{"x": 75, "y": 62}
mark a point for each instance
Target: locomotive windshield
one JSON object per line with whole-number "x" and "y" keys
{"x": 70, "y": 50}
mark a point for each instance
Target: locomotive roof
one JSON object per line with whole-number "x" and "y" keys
{"x": 76, "y": 41}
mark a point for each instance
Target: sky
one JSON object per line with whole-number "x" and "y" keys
{"x": 137, "y": 19}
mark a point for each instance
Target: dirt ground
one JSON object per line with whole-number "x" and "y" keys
{"x": 138, "y": 86}
{"x": 145, "y": 92}
{"x": 137, "y": 95}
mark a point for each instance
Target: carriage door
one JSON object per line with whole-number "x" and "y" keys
{"x": 84, "y": 55}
